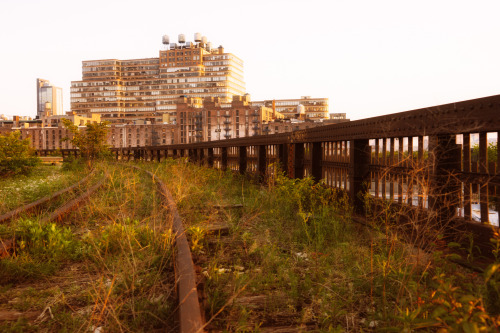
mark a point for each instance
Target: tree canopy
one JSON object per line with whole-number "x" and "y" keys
{"x": 91, "y": 140}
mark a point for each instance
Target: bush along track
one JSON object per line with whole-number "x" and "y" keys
{"x": 286, "y": 257}
{"x": 106, "y": 267}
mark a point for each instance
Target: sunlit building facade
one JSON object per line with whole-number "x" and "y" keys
{"x": 314, "y": 108}
{"x": 125, "y": 90}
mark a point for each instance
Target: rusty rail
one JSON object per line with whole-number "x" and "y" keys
{"x": 35, "y": 204}
{"x": 68, "y": 207}
{"x": 189, "y": 307}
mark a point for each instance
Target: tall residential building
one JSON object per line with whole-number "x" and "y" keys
{"x": 314, "y": 108}
{"x": 125, "y": 90}
{"x": 49, "y": 99}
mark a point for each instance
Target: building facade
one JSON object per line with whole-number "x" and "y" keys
{"x": 49, "y": 99}
{"x": 124, "y": 90}
{"x": 314, "y": 108}
{"x": 210, "y": 119}
{"x": 50, "y": 133}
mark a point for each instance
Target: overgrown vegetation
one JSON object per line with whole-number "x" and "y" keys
{"x": 107, "y": 267}
{"x": 16, "y": 155}
{"x": 293, "y": 257}
{"x": 42, "y": 181}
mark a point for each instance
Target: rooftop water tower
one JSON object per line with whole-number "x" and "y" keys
{"x": 166, "y": 41}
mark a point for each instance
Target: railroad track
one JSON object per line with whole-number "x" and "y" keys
{"x": 118, "y": 225}
{"x": 35, "y": 208}
{"x": 50, "y": 198}
{"x": 190, "y": 312}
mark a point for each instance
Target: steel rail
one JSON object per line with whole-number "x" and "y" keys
{"x": 35, "y": 204}
{"x": 67, "y": 208}
{"x": 189, "y": 306}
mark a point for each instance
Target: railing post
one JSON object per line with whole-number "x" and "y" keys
{"x": 359, "y": 172}
{"x": 420, "y": 163}
{"x": 201, "y": 160}
{"x": 316, "y": 161}
{"x": 210, "y": 157}
{"x": 498, "y": 172}
{"x": 391, "y": 166}
{"x": 484, "y": 169}
{"x": 298, "y": 160}
{"x": 444, "y": 188}
{"x": 224, "y": 158}
{"x": 261, "y": 162}
{"x": 466, "y": 169}
{"x": 283, "y": 157}
{"x": 243, "y": 159}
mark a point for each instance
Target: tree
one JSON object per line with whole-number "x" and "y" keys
{"x": 91, "y": 141}
{"x": 16, "y": 155}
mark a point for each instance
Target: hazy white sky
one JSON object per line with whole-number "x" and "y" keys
{"x": 368, "y": 57}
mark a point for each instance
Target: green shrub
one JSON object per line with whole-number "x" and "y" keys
{"x": 16, "y": 155}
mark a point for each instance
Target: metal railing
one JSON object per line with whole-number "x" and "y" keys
{"x": 433, "y": 159}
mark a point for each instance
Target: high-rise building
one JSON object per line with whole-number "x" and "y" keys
{"x": 49, "y": 99}
{"x": 124, "y": 90}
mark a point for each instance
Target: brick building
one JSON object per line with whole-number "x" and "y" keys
{"x": 210, "y": 119}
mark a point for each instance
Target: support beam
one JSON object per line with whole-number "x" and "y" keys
{"x": 242, "y": 157}
{"x": 298, "y": 163}
{"x": 261, "y": 162}
{"x": 224, "y": 158}
{"x": 358, "y": 172}
{"x": 316, "y": 161}
{"x": 444, "y": 187}
{"x": 283, "y": 157}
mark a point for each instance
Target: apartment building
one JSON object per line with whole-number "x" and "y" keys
{"x": 210, "y": 119}
{"x": 49, "y": 99}
{"x": 148, "y": 89}
{"x": 314, "y": 108}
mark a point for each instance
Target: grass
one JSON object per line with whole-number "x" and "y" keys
{"x": 107, "y": 266}
{"x": 293, "y": 257}
{"x": 42, "y": 181}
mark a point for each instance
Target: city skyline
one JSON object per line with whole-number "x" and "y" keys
{"x": 368, "y": 58}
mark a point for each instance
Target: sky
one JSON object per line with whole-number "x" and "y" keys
{"x": 368, "y": 57}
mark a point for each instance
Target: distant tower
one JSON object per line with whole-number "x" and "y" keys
{"x": 46, "y": 93}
